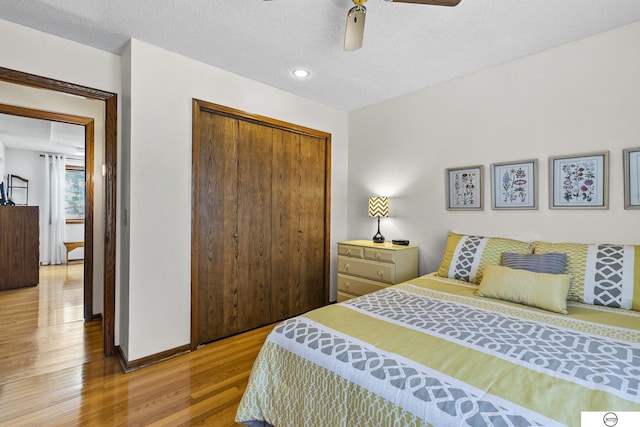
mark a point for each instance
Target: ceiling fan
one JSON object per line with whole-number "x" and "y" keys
{"x": 354, "y": 33}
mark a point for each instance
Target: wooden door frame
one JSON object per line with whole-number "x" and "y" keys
{"x": 111, "y": 150}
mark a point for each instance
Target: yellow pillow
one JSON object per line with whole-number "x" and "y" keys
{"x": 542, "y": 290}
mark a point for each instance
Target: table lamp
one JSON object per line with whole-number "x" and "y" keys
{"x": 378, "y": 206}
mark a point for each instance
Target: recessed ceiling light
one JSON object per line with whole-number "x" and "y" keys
{"x": 300, "y": 73}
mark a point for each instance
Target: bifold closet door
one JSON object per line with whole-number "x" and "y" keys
{"x": 253, "y": 240}
{"x": 260, "y": 231}
{"x": 298, "y": 250}
{"x": 216, "y": 206}
{"x": 233, "y": 226}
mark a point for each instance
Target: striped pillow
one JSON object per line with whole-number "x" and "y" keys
{"x": 552, "y": 262}
{"x": 466, "y": 256}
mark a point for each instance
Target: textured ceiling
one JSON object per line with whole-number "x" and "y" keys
{"x": 41, "y": 135}
{"x": 406, "y": 46}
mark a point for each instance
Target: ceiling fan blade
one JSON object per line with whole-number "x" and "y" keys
{"x": 431, "y": 2}
{"x": 354, "y": 33}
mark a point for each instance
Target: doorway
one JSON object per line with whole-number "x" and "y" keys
{"x": 110, "y": 163}
{"x": 89, "y": 149}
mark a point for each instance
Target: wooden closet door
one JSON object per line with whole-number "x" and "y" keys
{"x": 313, "y": 222}
{"x": 260, "y": 237}
{"x": 216, "y": 206}
{"x": 234, "y": 226}
{"x": 254, "y": 226}
{"x": 298, "y": 222}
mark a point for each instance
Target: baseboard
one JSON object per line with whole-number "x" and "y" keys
{"x": 133, "y": 365}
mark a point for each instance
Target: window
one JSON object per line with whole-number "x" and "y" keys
{"x": 74, "y": 194}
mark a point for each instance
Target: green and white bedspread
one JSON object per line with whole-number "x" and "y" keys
{"x": 431, "y": 353}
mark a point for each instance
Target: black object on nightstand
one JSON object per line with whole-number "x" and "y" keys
{"x": 400, "y": 242}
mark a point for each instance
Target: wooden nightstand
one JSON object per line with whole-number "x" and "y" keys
{"x": 364, "y": 266}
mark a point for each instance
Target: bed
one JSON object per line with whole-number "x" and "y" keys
{"x": 447, "y": 349}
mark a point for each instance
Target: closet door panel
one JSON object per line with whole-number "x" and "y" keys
{"x": 285, "y": 252}
{"x": 311, "y": 222}
{"x": 216, "y": 207}
{"x": 298, "y": 254}
{"x": 254, "y": 224}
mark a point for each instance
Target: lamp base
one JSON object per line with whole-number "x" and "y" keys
{"x": 378, "y": 238}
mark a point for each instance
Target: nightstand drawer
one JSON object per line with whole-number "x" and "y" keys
{"x": 381, "y": 255}
{"x": 368, "y": 269}
{"x": 356, "y": 286}
{"x": 350, "y": 251}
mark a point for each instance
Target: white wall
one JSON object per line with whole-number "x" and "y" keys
{"x": 35, "y": 52}
{"x": 158, "y": 144}
{"x": 577, "y": 98}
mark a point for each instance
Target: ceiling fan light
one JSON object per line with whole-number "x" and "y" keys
{"x": 354, "y": 32}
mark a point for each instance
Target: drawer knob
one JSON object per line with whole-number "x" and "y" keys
{"x": 348, "y": 251}
{"x": 377, "y": 255}
{"x": 346, "y": 266}
{"x": 346, "y": 285}
{"x": 380, "y": 273}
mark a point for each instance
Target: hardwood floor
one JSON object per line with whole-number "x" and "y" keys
{"x": 52, "y": 372}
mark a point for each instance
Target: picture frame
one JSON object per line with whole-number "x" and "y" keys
{"x": 464, "y": 188}
{"x": 514, "y": 185}
{"x": 579, "y": 181}
{"x": 631, "y": 168}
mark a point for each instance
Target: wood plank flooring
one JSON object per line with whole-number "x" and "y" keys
{"x": 52, "y": 372}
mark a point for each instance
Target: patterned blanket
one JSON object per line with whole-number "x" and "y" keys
{"x": 431, "y": 353}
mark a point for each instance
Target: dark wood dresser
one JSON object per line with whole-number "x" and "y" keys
{"x": 19, "y": 246}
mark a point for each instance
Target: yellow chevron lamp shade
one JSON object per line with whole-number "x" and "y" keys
{"x": 378, "y": 207}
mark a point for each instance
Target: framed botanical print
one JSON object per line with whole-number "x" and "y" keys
{"x": 514, "y": 185}
{"x": 464, "y": 188}
{"x": 579, "y": 182}
{"x": 631, "y": 158}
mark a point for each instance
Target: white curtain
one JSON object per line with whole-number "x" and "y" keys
{"x": 53, "y": 250}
